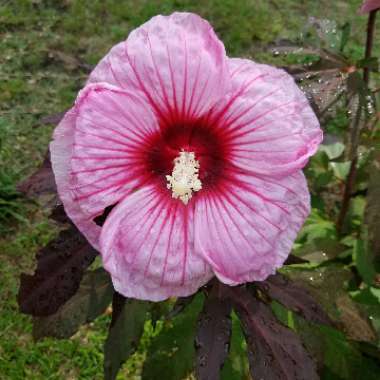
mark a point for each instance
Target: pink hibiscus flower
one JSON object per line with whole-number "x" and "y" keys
{"x": 199, "y": 154}
{"x": 369, "y": 5}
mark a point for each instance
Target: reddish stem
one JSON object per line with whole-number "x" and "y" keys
{"x": 350, "y": 181}
{"x": 369, "y": 43}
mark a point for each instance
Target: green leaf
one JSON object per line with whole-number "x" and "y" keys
{"x": 126, "y": 328}
{"x": 90, "y": 301}
{"x": 171, "y": 354}
{"x": 364, "y": 262}
{"x": 356, "y": 210}
{"x": 338, "y": 358}
{"x": 322, "y": 33}
{"x": 320, "y": 161}
{"x": 369, "y": 299}
{"x": 284, "y": 315}
{"x": 180, "y": 305}
{"x": 371, "y": 63}
{"x": 327, "y": 285}
{"x": 341, "y": 169}
{"x": 367, "y": 296}
{"x": 320, "y": 250}
{"x": 236, "y": 366}
{"x": 346, "y": 32}
{"x": 317, "y": 227}
{"x": 333, "y": 151}
{"x": 373, "y": 206}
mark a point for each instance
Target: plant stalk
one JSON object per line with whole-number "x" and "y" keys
{"x": 369, "y": 43}
{"x": 351, "y": 178}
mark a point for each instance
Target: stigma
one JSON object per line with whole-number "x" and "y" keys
{"x": 184, "y": 179}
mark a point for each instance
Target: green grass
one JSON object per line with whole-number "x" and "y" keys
{"x": 42, "y": 45}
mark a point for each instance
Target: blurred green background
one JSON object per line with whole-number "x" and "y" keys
{"x": 45, "y": 50}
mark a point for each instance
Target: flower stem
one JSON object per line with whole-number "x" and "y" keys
{"x": 350, "y": 181}
{"x": 369, "y": 43}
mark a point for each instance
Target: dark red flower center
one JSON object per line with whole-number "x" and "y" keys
{"x": 197, "y": 136}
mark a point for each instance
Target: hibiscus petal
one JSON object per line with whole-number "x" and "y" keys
{"x": 98, "y": 152}
{"x": 177, "y": 61}
{"x": 267, "y": 121}
{"x": 369, "y": 6}
{"x": 246, "y": 229}
{"x": 147, "y": 245}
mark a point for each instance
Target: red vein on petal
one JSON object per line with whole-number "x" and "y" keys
{"x": 97, "y": 147}
{"x": 96, "y": 169}
{"x": 256, "y": 118}
{"x": 157, "y": 209}
{"x": 162, "y": 85}
{"x": 200, "y": 98}
{"x": 228, "y": 122}
{"x": 185, "y": 242}
{"x": 106, "y": 138}
{"x": 97, "y": 158}
{"x": 233, "y": 193}
{"x": 159, "y": 235}
{"x": 117, "y": 185}
{"x": 113, "y": 73}
{"x": 174, "y": 92}
{"x": 239, "y": 69}
{"x": 269, "y": 139}
{"x": 242, "y": 134}
{"x": 247, "y": 187}
{"x": 172, "y": 215}
{"x": 195, "y": 85}
{"x": 184, "y": 89}
{"x": 226, "y": 228}
{"x": 149, "y": 213}
{"x": 131, "y": 118}
{"x": 221, "y": 237}
{"x": 237, "y": 209}
{"x": 98, "y": 126}
{"x": 100, "y": 179}
{"x": 146, "y": 92}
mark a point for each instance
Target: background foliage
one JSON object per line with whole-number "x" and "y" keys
{"x": 47, "y": 48}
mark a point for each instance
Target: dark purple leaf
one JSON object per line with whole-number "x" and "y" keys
{"x": 294, "y": 297}
{"x": 41, "y": 182}
{"x": 60, "y": 267}
{"x": 322, "y": 81}
{"x": 323, "y": 88}
{"x": 54, "y": 118}
{"x": 118, "y": 304}
{"x": 357, "y": 86}
{"x": 59, "y": 215}
{"x": 212, "y": 340}
{"x": 90, "y": 301}
{"x": 274, "y": 351}
{"x": 127, "y": 326}
{"x": 292, "y": 259}
{"x": 285, "y": 47}
{"x": 101, "y": 219}
{"x": 360, "y": 95}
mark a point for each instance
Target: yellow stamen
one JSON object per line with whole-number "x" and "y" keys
{"x": 184, "y": 179}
